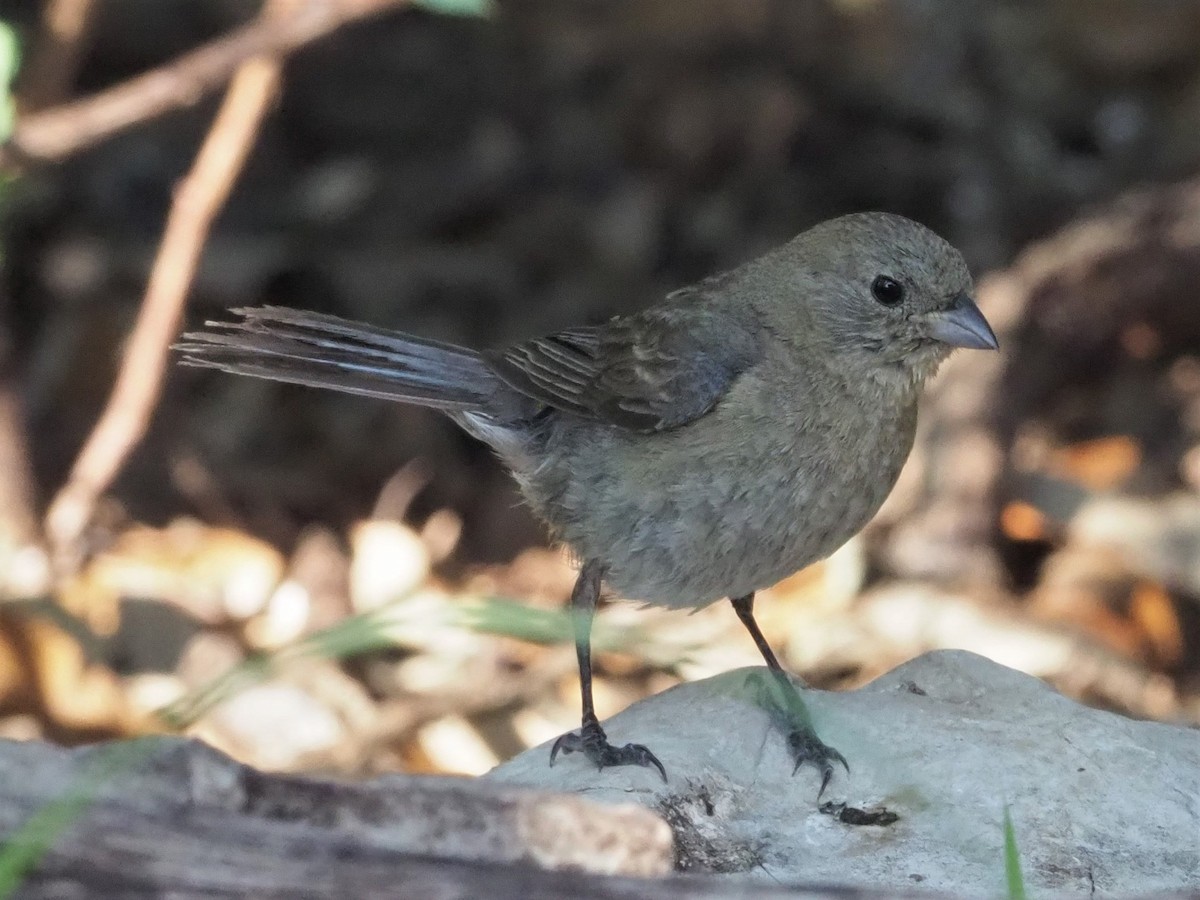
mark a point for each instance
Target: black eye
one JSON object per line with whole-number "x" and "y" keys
{"x": 887, "y": 291}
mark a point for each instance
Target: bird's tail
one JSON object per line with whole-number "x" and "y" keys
{"x": 324, "y": 351}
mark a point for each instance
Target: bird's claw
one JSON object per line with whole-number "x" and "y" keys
{"x": 806, "y": 747}
{"x": 593, "y": 743}
{"x": 802, "y": 741}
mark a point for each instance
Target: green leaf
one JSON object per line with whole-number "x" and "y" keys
{"x": 10, "y": 54}
{"x": 480, "y": 8}
{"x": 10, "y": 59}
{"x": 1012, "y": 860}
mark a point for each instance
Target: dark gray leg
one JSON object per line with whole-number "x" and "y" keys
{"x": 744, "y": 607}
{"x": 802, "y": 739}
{"x": 591, "y": 740}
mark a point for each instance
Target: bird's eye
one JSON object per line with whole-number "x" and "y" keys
{"x": 887, "y": 291}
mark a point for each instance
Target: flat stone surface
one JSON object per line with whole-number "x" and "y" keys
{"x": 1101, "y": 805}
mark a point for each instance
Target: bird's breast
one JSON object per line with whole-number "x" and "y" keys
{"x": 730, "y": 503}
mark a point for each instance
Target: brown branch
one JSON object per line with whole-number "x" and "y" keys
{"x": 50, "y": 72}
{"x": 198, "y": 200}
{"x": 18, "y": 519}
{"x": 45, "y": 79}
{"x": 63, "y": 130}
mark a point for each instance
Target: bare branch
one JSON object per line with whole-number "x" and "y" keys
{"x": 51, "y": 69}
{"x": 18, "y": 520}
{"x": 63, "y": 130}
{"x": 198, "y": 200}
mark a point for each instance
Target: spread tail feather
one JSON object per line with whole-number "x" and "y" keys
{"x": 324, "y": 351}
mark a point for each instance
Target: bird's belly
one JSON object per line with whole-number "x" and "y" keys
{"x": 728, "y": 545}
{"x": 692, "y": 529}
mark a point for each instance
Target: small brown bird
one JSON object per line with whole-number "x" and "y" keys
{"x": 704, "y": 448}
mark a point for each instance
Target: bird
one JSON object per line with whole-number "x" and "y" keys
{"x": 703, "y": 448}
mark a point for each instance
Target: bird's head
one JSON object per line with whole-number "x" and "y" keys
{"x": 878, "y": 292}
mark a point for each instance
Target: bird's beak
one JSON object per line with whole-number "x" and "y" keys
{"x": 963, "y": 325}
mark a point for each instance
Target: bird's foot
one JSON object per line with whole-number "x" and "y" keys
{"x": 593, "y": 743}
{"x": 787, "y": 708}
{"x": 806, "y": 747}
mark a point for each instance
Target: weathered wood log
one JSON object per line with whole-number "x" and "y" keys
{"x": 174, "y": 818}
{"x": 172, "y": 815}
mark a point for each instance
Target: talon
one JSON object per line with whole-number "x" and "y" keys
{"x": 839, "y": 758}
{"x": 807, "y": 747}
{"x": 826, "y": 774}
{"x": 566, "y": 743}
{"x": 802, "y": 741}
{"x": 643, "y": 757}
{"x": 593, "y": 743}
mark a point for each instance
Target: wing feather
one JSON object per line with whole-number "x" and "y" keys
{"x": 650, "y": 372}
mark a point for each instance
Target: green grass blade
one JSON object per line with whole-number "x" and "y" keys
{"x": 349, "y": 637}
{"x": 26, "y": 846}
{"x": 1012, "y": 860}
{"x": 480, "y": 8}
{"x": 509, "y": 618}
{"x": 412, "y": 622}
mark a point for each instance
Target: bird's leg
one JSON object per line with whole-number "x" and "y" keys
{"x": 591, "y": 740}
{"x": 801, "y": 736}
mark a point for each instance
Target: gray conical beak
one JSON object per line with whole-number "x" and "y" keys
{"x": 963, "y": 325}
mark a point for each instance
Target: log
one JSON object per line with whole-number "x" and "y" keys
{"x": 172, "y": 817}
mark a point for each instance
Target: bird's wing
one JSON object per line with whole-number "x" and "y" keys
{"x": 650, "y": 372}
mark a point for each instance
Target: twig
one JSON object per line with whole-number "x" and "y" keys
{"x": 198, "y": 199}
{"x": 63, "y": 130}
{"x": 18, "y": 519}
{"x": 45, "y": 80}
{"x": 50, "y": 72}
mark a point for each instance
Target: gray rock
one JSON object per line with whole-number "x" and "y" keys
{"x": 1101, "y": 805}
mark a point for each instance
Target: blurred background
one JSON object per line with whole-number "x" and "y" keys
{"x": 321, "y": 582}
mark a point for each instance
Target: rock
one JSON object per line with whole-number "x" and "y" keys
{"x": 937, "y": 748}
